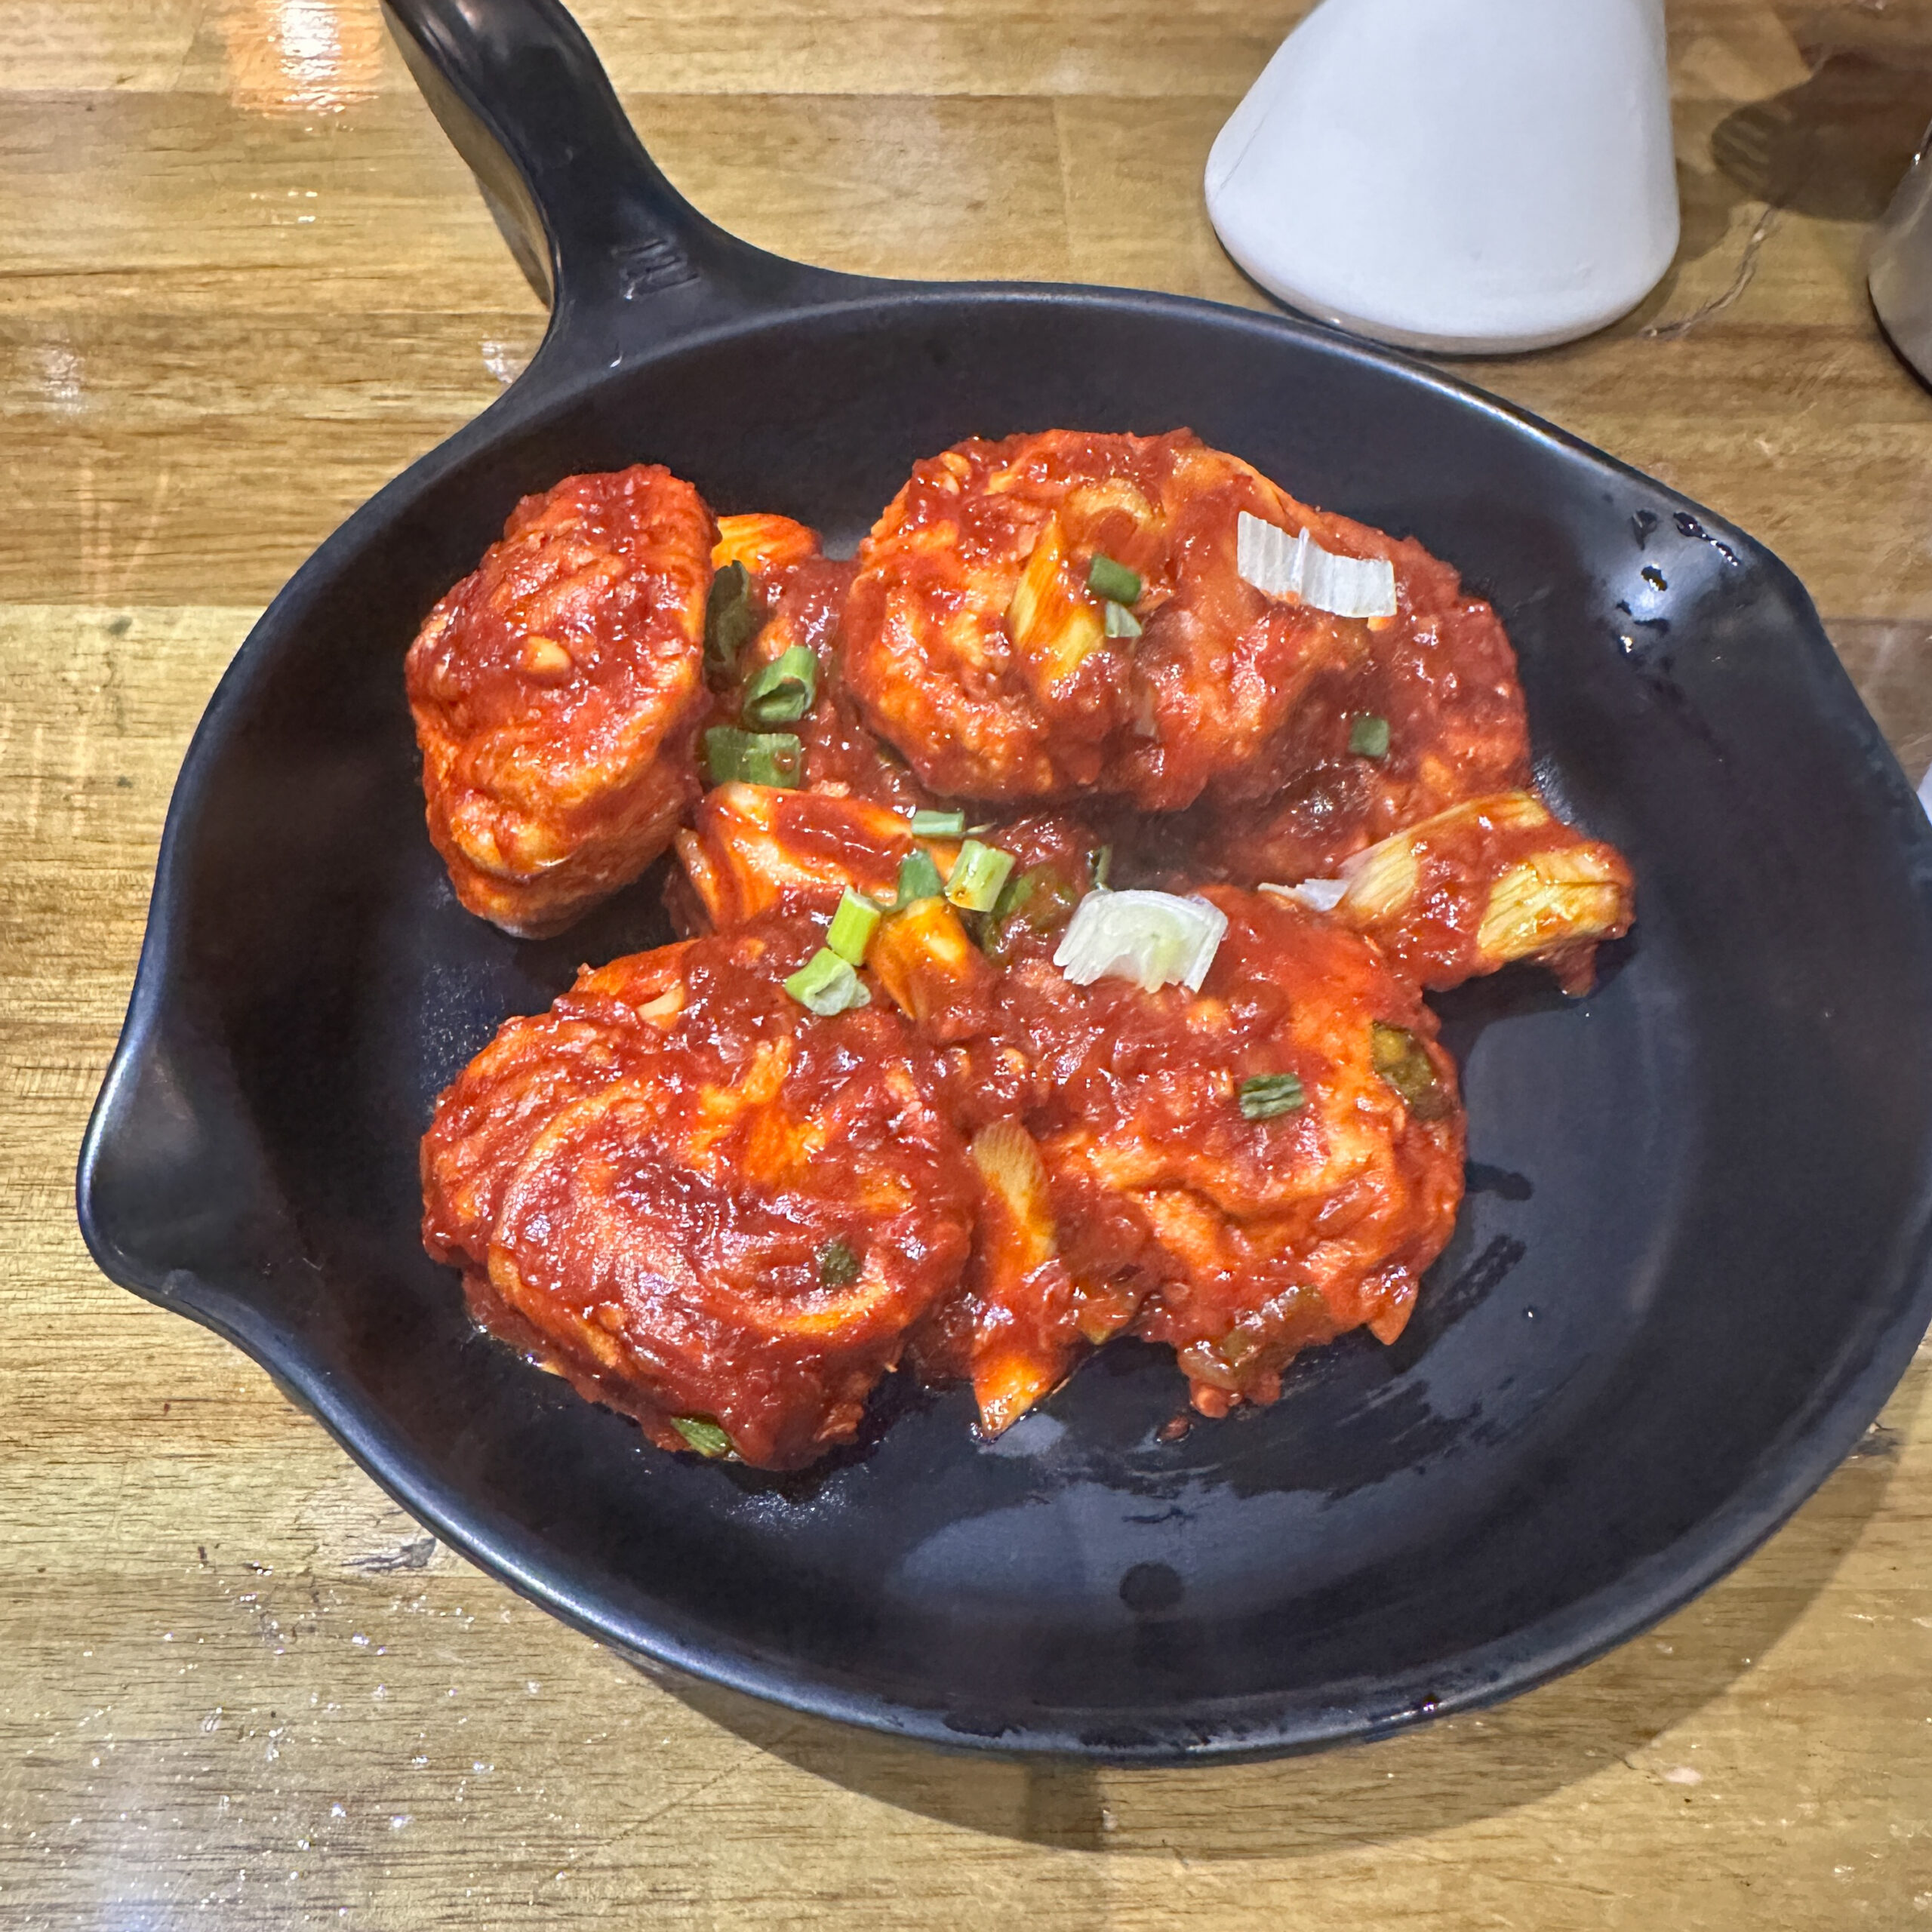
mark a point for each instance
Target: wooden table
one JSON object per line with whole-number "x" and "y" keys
{"x": 243, "y": 281}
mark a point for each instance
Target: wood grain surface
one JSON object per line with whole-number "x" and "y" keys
{"x": 244, "y": 281}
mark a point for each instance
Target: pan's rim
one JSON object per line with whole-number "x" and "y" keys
{"x": 1261, "y": 1726}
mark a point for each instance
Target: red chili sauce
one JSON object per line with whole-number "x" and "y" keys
{"x": 1440, "y": 675}
{"x": 1238, "y": 1241}
{"x": 803, "y": 601}
{"x": 989, "y": 698}
{"x": 697, "y": 1199}
{"x": 556, "y": 690}
{"x": 1434, "y": 936}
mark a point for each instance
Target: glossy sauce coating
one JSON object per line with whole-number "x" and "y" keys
{"x": 1157, "y": 1199}
{"x": 763, "y": 543}
{"x": 801, "y": 595}
{"x": 1057, "y": 859}
{"x": 750, "y": 848}
{"x": 711, "y": 1208}
{"x": 1440, "y": 674}
{"x": 556, "y": 691}
{"x": 1240, "y": 1241}
{"x": 695, "y": 1199}
{"x": 1485, "y": 883}
{"x": 976, "y": 647}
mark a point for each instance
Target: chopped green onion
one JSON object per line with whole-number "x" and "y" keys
{"x": 918, "y": 879}
{"x": 703, "y": 1435}
{"x": 852, "y": 928}
{"x": 1018, "y": 890}
{"x": 1099, "y": 863}
{"x": 1368, "y": 736}
{"x": 783, "y": 690}
{"x": 1402, "y": 1060}
{"x": 731, "y": 618}
{"x": 1113, "y": 581}
{"x": 752, "y": 758}
{"x": 938, "y": 824}
{"x": 1266, "y": 1095}
{"x": 977, "y": 876}
{"x": 827, "y": 984}
{"x": 1121, "y": 621}
{"x": 837, "y": 1265}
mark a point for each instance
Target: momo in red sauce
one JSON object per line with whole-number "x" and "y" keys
{"x": 1061, "y": 886}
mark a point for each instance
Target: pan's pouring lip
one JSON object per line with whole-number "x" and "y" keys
{"x": 1252, "y": 1725}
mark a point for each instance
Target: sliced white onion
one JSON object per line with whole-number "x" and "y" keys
{"x": 1269, "y": 558}
{"x": 1154, "y": 939}
{"x": 1318, "y": 895}
{"x": 1279, "y": 565}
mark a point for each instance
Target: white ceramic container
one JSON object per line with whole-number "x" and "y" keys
{"x": 1472, "y": 176}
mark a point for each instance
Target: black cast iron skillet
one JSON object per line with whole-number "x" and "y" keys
{"x": 1693, "y": 1260}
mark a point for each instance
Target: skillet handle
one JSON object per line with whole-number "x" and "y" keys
{"x": 589, "y": 216}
